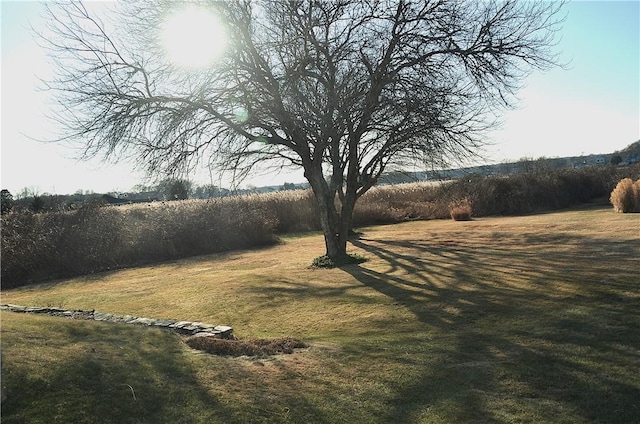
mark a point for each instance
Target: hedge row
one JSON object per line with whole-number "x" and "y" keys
{"x": 45, "y": 246}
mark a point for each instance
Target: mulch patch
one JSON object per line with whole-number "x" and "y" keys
{"x": 248, "y": 347}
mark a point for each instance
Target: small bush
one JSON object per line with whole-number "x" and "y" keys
{"x": 250, "y": 347}
{"x": 461, "y": 210}
{"x": 326, "y": 262}
{"x": 625, "y": 197}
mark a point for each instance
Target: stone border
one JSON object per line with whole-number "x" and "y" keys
{"x": 182, "y": 327}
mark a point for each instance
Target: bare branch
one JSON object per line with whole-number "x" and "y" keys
{"x": 342, "y": 88}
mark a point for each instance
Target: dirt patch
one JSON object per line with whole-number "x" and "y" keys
{"x": 248, "y": 347}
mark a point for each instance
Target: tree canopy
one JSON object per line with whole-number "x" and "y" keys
{"x": 343, "y": 89}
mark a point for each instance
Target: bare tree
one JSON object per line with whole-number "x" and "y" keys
{"x": 344, "y": 89}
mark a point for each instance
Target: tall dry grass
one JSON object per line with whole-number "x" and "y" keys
{"x": 625, "y": 197}
{"x": 537, "y": 190}
{"x": 402, "y": 202}
{"x": 295, "y": 210}
{"x": 37, "y": 247}
{"x": 45, "y": 246}
{"x": 461, "y": 210}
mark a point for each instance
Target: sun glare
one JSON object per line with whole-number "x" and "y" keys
{"x": 193, "y": 37}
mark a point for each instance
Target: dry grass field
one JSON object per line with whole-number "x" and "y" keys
{"x": 527, "y": 319}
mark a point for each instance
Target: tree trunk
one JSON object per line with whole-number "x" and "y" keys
{"x": 330, "y": 224}
{"x": 346, "y": 216}
{"x": 335, "y": 224}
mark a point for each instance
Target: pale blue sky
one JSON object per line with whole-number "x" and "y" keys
{"x": 591, "y": 107}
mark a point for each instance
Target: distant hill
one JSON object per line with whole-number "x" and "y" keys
{"x": 631, "y": 149}
{"x": 627, "y": 156}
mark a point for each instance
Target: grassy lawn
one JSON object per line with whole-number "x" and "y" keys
{"x": 501, "y": 320}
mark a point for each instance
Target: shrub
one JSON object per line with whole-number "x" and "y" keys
{"x": 37, "y": 204}
{"x": 348, "y": 259}
{"x": 45, "y": 246}
{"x": 461, "y": 210}
{"x": 296, "y": 210}
{"x": 535, "y": 190}
{"x": 250, "y": 347}
{"x": 397, "y": 203}
{"x": 625, "y": 197}
{"x": 6, "y": 201}
{"x": 58, "y": 244}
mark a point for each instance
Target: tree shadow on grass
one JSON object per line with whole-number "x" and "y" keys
{"x": 534, "y": 330}
{"x": 119, "y": 374}
{"x": 109, "y": 374}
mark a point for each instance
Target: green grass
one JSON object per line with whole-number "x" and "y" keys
{"x": 529, "y": 319}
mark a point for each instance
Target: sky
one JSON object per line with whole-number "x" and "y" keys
{"x": 590, "y": 106}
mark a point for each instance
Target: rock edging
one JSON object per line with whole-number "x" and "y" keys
{"x": 182, "y": 327}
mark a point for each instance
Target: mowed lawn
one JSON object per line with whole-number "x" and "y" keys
{"x": 528, "y": 319}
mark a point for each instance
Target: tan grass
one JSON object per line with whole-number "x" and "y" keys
{"x": 446, "y": 322}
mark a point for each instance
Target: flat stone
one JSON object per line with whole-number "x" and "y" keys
{"x": 225, "y": 331}
{"x": 34, "y": 310}
{"x": 82, "y": 314}
{"x": 215, "y": 334}
{"x": 13, "y": 308}
{"x": 184, "y": 327}
{"x": 16, "y": 308}
{"x": 142, "y": 321}
{"x": 102, "y": 316}
{"x": 163, "y": 322}
{"x": 181, "y": 324}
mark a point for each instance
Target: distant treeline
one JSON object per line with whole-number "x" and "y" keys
{"x": 167, "y": 190}
{"x": 181, "y": 189}
{"x": 94, "y": 238}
